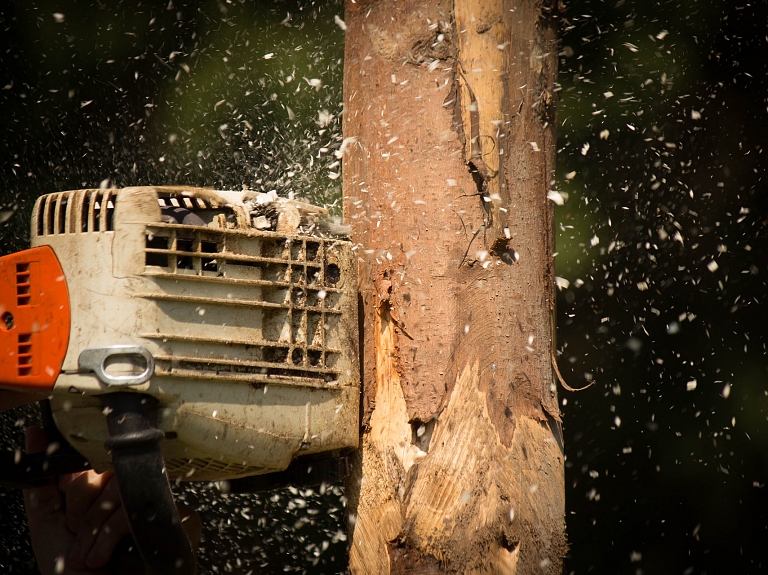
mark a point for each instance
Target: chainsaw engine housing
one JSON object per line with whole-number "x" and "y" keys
{"x": 246, "y": 338}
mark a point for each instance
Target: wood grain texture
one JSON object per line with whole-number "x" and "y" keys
{"x": 449, "y": 154}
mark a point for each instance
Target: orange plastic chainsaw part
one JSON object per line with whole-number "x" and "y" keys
{"x": 34, "y": 319}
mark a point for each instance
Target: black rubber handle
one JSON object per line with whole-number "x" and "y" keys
{"x": 144, "y": 489}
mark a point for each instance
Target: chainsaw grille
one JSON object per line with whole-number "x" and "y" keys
{"x": 275, "y": 296}
{"x": 80, "y": 211}
{"x": 24, "y": 351}
{"x": 190, "y": 468}
{"x": 23, "y": 284}
{"x": 24, "y": 356}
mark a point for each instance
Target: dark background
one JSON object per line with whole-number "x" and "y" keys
{"x": 663, "y": 477}
{"x": 662, "y": 124}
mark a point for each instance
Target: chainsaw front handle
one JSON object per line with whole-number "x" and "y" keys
{"x": 143, "y": 485}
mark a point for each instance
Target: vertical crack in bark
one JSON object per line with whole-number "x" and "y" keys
{"x": 480, "y": 104}
{"x": 479, "y": 171}
{"x": 469, "y": 246}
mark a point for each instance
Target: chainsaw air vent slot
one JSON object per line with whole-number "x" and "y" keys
{"x": 209, "y": 264}
{"x": 332, "y": 274}
{"x": 52, "y": 219}
{"x": 62, "y": 208}
{"x": 156, "y": 259}
{"x": 313, "y": 249}
{"x": 110, "y": 216}
{"x": 275, "y": 354}
{"x": 207, "y": 211}
{"x": 85, "y": 210}
{"x": 273, "y": 248}
{"x": 24, "y": 355}
{"x": 39, "y": 219}
{"x": 50, "y": 211}
{"x": 186, "y": 202}
{"x": 297, "y": 357}
{"x": 185, "y": 262}
{"x": 23, "y": 284}
{"x": 315, "y": 357}
{"x": 101, "y": 209}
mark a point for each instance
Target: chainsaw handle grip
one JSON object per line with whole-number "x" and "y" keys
{"x": 143, "y": 485}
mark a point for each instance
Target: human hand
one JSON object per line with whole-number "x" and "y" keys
{"x": 76, "y": 524}
{"x": 52, "y": 512}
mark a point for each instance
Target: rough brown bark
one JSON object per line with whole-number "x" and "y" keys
{"x": 448, "y": 157}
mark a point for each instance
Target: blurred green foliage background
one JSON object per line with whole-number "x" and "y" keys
{"x": 661, "y": 243}
{"x": 662, "y": 134}
{"x": 217, "y": 93}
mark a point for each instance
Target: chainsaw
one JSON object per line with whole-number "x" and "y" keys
{"x": 183, "y": 334}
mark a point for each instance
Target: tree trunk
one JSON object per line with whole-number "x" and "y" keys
{"x": 448, "y": 156}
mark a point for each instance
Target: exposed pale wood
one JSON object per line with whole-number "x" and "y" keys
{"x": 447, "y": 105}
{"x": 482, "y": 34}
{"x": 388, "y": 455}
{"x": 460, "y": 501}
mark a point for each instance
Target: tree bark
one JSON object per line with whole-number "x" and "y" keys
{"x": 448, "y": 156}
